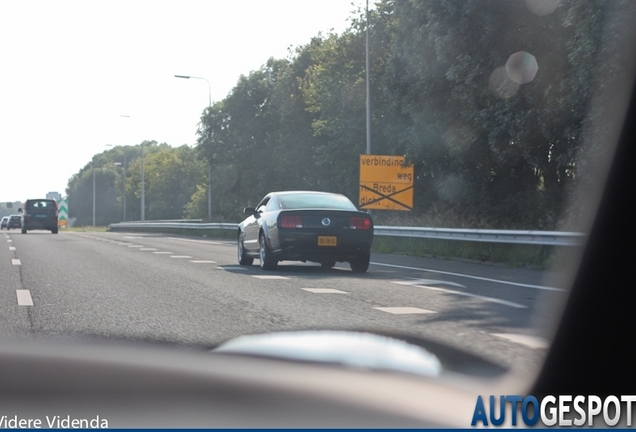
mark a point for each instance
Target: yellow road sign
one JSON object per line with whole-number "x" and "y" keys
{"x": 386, "y": 183}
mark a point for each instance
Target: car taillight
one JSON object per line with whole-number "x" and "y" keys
{"x": 291, "y": 222}
{"x": 359, "y": 223}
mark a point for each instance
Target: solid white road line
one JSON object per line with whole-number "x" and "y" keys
{"x": 268, "y": 277}
{"x": 466, "y": 294}
{"x": 541, "y": 287}
{"x": 195, "y": 241}
{"x": 404, "y": 310}
{"x": 324, "y": 291}
{"x": 531, "y": 341}
{"x": 429, "y": 282}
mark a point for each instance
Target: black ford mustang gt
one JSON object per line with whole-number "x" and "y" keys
{"x": 305, "y": 226}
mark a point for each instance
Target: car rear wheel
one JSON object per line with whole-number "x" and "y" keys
{"x": 361, "y": 264}
{"x": 243, "y": 259}
{"x": 268, "y": 262}
{"x": 54, "y": 231}
{"x": 24, "y": 230}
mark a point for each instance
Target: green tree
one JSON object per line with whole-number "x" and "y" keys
{"x": 101, "y": 172}
{"x": 171, "y": 177}
{"x": 484, "y": 146}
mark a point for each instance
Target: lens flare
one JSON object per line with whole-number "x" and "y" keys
{"x": 542, "y": 7}
{"x": 522, "y": 67}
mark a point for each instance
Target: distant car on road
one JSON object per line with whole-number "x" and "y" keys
{"x": 4, "y": 222}
{"x": 15, "y": 221}
{"x": 39, "y": 214}
{"x": 305, "y": 226}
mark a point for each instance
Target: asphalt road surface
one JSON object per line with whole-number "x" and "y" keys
{"x": 188, "y": 291}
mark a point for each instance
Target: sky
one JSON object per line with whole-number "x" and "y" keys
{"x": 78, "y": 76}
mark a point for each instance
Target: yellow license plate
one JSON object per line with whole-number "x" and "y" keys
{"x": 327, "y": 241}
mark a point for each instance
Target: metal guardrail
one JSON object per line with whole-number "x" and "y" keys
{"x": 170, "y": 226}
{"x": 546, "y": 238}
{"x": 168, "y": 220}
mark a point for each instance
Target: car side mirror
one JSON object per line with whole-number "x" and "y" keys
{"x": 249, "y": 211}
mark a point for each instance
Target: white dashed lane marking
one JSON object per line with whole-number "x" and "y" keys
{"x": 24, "y": 298}
{"x": 135, "y": 246}
{"x": 148, "y": 249}
{"x": 268, "y": 277}
{"x": 232, "y": 268}
{"x": 418, "y": 284}
{"x": 180, "y": 256}
{"x": 531, "y": 341}
{"x": 202, "y": 262}
{"x": 324, "y": 291}
{"x": 15, "y": 261}
{"x": 404, "y": 310}
{"x": 11, "y": 247}
{"x": 9, "y": 241}
{"x": 163, "y": 253}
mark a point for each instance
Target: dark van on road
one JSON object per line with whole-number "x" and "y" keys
{"x": 39, "y": 214}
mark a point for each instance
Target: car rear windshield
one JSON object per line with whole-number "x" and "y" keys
{"x": 310, "y": 201}
{"x": 40, "y": 205}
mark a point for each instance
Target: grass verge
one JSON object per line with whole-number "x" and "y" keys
{"x": 512, "y": 255}
{"x": 84, "y": 229}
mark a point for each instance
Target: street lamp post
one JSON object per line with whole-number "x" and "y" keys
{"x": 210, "y": 168}
{"x": 143, "y": 186}
{"x": 201, "y": 78}
{"x": 368, "y": 104}
{"x": 123, "y": 165}
{"x": 93, "y": 192}
{"x": 124, "y": 185}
